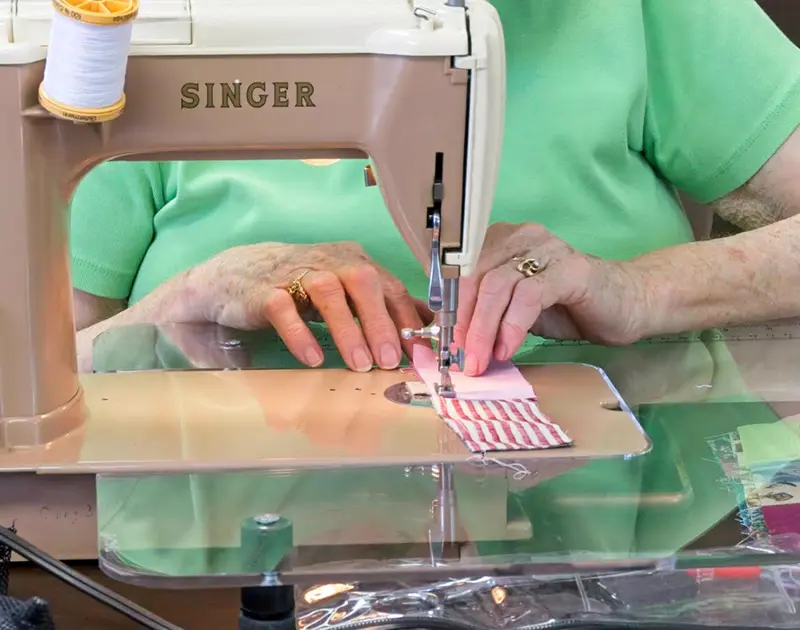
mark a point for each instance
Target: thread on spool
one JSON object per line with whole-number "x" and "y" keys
{"x": 87, "y": 58}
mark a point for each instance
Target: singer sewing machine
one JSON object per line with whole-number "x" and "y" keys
{"x": 416, "y": 88}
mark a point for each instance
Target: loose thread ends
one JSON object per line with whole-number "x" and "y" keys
{"x": 483, "y": 460}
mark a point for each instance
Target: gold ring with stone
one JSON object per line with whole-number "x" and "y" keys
{"x": 298, "y": 292}
{"x": 529, "y": 267}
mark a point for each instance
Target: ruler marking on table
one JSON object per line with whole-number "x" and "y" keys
{"x": 783, "y": 330}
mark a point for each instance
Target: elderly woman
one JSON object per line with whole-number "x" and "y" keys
{"x": 611, "y": 107}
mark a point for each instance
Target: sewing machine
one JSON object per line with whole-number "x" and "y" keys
{"x": 374, "y": 485}
{"x": 416, "y": 89}
{"x": 420, "y": 90}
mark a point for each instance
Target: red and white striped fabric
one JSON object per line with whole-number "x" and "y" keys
{"x": 494, "y": 412}
{"x": 500, "y": 425}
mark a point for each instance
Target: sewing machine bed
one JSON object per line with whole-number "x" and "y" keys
{"x": 273, "y": 419}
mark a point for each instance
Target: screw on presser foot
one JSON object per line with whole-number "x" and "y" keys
{"x": 429, "y": 332}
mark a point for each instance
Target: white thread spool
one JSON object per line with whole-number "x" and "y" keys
{"x": 84, "y": 75}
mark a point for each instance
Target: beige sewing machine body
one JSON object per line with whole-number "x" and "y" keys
{"x": 419, "y": 91}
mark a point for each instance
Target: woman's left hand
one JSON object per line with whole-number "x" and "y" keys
{"x": 528, "y": 280}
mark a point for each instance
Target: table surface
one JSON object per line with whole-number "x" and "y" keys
{"x": 718, "y": 412}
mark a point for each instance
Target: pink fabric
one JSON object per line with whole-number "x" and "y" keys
{"x": 489, "y": 413}
{"x": 501, "y": 381}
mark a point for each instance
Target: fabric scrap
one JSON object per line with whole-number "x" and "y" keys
{"x": 500, "y": 425}
{"x": 501, "y": 381}
{"x": 781, "y": 520}
{"x": 765, "y": 443}
{"x": 500, "y": 419}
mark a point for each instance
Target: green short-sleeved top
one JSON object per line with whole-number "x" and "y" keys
{"x": 610, "y": 106}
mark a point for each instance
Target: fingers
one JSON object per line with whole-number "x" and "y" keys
{"x": 523, "y": 310}
{"x": 470, "y": 287}
{"x": 510, "y": 241}
{"x": 281, "y": 312}
{"x": 507, "y": 307}
{"x": 426, "y": 318}
{"x": 425, "y": 313}
{"x": 406, "y": 312}
{"x": 357, "y": 291}
{"x": 499, "y": 303}
{"x": 531, "y": 297}
{"x": 365, "y": 287}
{"x": 467, "y": 295}
{"x": 493, "y": 296}
{"x": 503, "y": 242}
{"x": 379, "y": 301}
{"x": 328, "y": 295}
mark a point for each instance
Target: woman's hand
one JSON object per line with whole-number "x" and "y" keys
{"x": 528, "y": 280}
{"x": 285, "y": 286}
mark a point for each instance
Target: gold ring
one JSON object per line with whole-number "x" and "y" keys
{"x": 529, "y": 267}
{"x": 298, "y": 292}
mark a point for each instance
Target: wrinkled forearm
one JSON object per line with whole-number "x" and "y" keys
{"x": 749, "y": 277}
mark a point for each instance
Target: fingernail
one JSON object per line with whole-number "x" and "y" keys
{"x": 314, "y": 357}
{"x": 361, "y": 360}
{"x": 390, "y": 357}
{"x": 471, "y": 365}
{"x": 502, "y": 353}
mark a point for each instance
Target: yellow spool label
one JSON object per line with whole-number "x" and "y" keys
{"x": 98, "y": 12}
{"x": 88, "y": 116}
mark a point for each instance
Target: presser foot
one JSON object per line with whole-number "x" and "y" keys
{"x": 447, "y": 358}
{"x": 444, "y": 388}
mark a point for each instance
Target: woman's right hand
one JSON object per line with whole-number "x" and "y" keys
{"x": 248, "y": 288}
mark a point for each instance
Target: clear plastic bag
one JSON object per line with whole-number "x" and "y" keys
{"x": 715, "y": 590}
